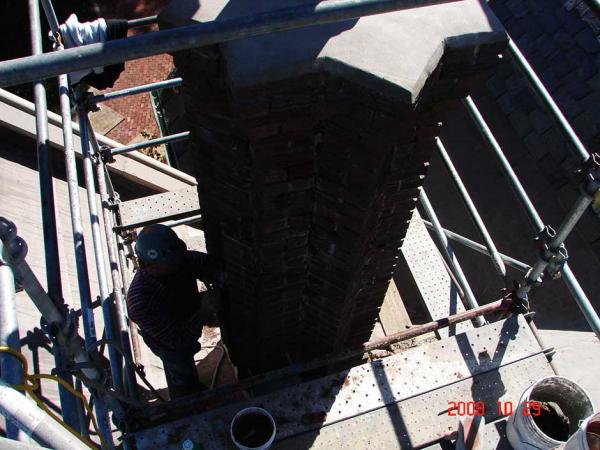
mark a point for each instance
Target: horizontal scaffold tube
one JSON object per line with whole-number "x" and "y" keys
{"x": 32, "y": 68}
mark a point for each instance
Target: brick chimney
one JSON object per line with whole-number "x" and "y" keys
{"x": 310, "y": 147}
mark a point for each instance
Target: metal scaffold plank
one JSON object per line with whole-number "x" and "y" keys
{"x": 159, "y": 208}
{"x": 422, "y": 420}
{"x": 437, "y": 291}
{"x": 492, "y": 363}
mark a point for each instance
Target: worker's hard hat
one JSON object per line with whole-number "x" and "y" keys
{"x": 159, "y": 244}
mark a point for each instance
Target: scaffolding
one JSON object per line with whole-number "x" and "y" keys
{"x": 114, "y": 389}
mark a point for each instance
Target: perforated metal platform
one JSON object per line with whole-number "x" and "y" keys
{"x": 159, "y": 208}
{"x": 437, "y": 292}
{"x": 397, "y": 402}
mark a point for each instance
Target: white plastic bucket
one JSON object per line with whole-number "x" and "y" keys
{"x": 579, "y": 440}
{"x": 522, "y": 431}
{"x": 253, "y": 429}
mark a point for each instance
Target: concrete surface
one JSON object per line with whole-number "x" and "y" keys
{"x": 577, "y": 357}
{"x": 18, "y": 115}
{"x": 365, "y": 51}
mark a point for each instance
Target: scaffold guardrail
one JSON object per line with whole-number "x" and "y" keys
{"x": 552, "y": 261}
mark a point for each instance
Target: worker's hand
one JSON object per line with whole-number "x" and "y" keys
{"x": 210, "y": 307}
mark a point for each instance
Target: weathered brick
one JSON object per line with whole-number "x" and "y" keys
{"x": 327, "y": 175}
{"x": 564, "y": 40}
{"x": 588, "y": 41}
{"x": 578, "y": 89}
{"x": 535, "y": 145}
{"x": 518, "y": 8}
{"x": 586, "y": 126}
{"x": 571, "y": 20}
{"x": 572, "y": 4}
{"x": 591, "y": 19}
{"x": 548, "y": 19}
{"x": 540, "y": 121}
{"x": 567, "y": 104}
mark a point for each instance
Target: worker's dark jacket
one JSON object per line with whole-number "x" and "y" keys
{"x": 166, "y": 311}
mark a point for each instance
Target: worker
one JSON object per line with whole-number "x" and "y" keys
{"x": 165, "y": 303}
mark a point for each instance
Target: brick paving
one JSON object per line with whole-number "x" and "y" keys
{"x": 137, "y": 109}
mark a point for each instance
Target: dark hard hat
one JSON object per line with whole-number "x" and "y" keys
{"x": 159, "y": 244}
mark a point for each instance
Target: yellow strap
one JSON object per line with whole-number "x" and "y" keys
{"x": 596, "y": 202}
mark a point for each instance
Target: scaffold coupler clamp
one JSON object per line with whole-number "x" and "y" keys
{"x": 14, "y": 245}
{"x": 85, "y": 100}
{"x": 554, "y": 258}
{"x": 106, "y": 154}
{"x": 68, "y": 324}
{"x": 590, "y": 180}
{"x": 556, "y": 261}
{"x": 520, "y": 299}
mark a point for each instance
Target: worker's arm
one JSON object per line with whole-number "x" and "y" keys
{"x": 206, "y": 268}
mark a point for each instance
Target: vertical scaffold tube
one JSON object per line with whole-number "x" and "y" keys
{"x": 69, "y": 404}
{"x": 122, "y": 325}
{"x": 10, "y": 367}
{"x": 87, "y": 313}
{"x": 105, "y": 299}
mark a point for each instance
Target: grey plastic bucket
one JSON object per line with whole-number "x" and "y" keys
{"x": 522, "y": 431}
{"x": 245, "y": 437}
{"x": 579, "y": 441}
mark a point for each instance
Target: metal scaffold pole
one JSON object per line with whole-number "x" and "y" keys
{"x": 122, "y": 325}
{"x": 166, "y": 84}
{"x": 547, "y": 100}
{"x": 55, "y": 318}
{"x": 69, "y": 404}
{"x": 36, "y": 422}
{"x": 150, "y": 143}
{"x": 105, "y": 298}
{"x": 487, "y": 239}
{"x": 449, "y": 257}
{"x": 89, "y": 328}
{"x": 10, "y": 367}
{"x": 509, "y": 261}
{"x": 554, "y": 252}
{"x": 32, "y": 68}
